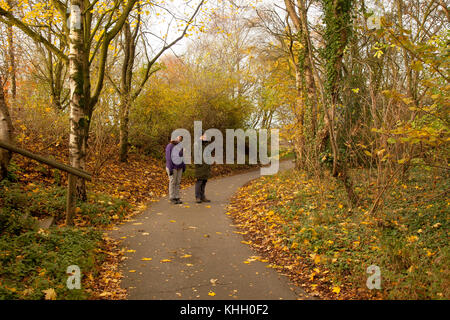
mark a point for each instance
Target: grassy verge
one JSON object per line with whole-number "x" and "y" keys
{"x": 33, "y": 261}
{"x": 307, "y": 230}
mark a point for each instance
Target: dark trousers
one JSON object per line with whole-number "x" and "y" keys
{"x": 200, "y": 188}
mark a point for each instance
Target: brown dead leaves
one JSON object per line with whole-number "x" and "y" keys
{"x": 106, "y": 285}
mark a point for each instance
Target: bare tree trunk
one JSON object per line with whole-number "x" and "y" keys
{"x": 300, "y": 117}
{"x": 6, "y": 133}
{"x": 129, "y": 47}
{"x": 306, "y": 91}
{"x": 308, "y": 65}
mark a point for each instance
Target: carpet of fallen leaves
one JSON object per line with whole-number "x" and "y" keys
{"x": 106, "y": 285}
{"x": 307, "y": 230}
{"x": 270, "y": 234}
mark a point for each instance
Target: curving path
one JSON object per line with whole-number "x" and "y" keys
{"x": 195, "y": 251}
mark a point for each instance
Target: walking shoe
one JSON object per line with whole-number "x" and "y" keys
{"x": 178, "y": 201}
{"x": 198, "y": 200}
{"x": 174, "y": 201}
{"x": 205, "y": 200}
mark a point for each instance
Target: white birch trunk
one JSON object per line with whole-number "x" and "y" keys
{"x": 78, "y": 98}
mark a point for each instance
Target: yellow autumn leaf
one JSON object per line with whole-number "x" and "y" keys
{"x": 211, "y": 293}
{"x": 336, "y": 289}
{"x": 315, "y": 257}
{"x": 50, "y": 294}
{"x": 165, "y": 260}
{"x": 146, "y": 259}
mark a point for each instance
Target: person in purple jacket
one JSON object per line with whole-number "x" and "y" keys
{"x": 174, "y": 170}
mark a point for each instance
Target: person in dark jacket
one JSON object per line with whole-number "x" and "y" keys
{"x": 174, "y": 171}
{"x": 202, "y": 173}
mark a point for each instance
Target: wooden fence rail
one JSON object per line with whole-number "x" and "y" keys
{"x": 70, "y": 170}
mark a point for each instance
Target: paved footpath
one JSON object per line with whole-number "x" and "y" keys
{"x": 195, "y": 251}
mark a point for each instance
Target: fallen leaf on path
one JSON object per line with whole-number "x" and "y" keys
{"x": 187, "y": 256}
{"x": 104, "y": 294}
{"x": 146, "y": 259}
{"x": 165, "y": 260}
{"x": 212, "y": 294}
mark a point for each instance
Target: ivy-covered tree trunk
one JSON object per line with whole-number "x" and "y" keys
{"x": 337, "y": 18}
{"x": 6, "y": 132}
{"x": 79, "y": 93}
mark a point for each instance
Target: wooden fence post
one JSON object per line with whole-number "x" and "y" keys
{"x": 70, "y": 208}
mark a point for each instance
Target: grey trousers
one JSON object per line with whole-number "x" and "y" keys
{"x": 174, "y": 183}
